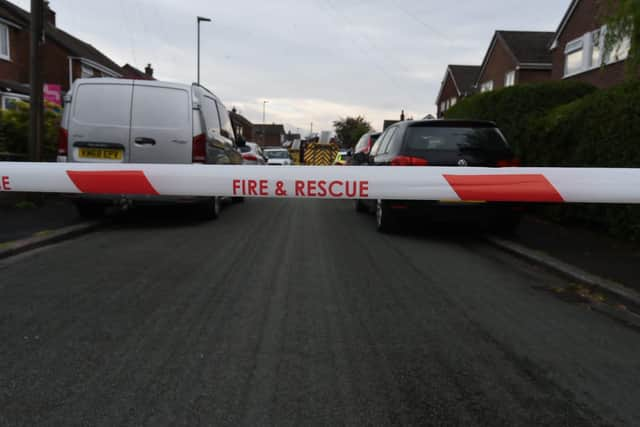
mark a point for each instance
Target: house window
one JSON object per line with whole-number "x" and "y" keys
{"x": 574, "y": 57}
{"x": 510, "y": 78}
{"x": 486, "y": 86}
{"x": 454, "y": 100}
{"x": 443, "y": 106}
{"x": 4, "y": 41}
{"x": 86, "y": 72}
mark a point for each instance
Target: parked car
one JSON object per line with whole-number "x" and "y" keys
{"x": 278, "y": 156}
{"x": 342, "y": 158}
{"x": 252, "y": 154}
{"x": 109, "y": 121}
{"x": 441, "y": 143}
{"x": 363, "y": 147}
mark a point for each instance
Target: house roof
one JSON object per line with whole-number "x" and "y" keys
{"x": 75, "y": 46}
{"x": 132, "y": 72}
{"x": 239, "y": 120}
{"x": 269, "y": 129}
{"x": 529, "y": 49}
{"x": 464, "y": 78}
{"x": 563, "y": 23}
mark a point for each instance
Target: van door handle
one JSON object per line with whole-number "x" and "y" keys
{"x": 145, "y": 141}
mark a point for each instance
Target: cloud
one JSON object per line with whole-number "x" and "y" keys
{"x": 326, "y": 58}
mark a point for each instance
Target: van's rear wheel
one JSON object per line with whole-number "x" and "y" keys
{"x": 89, "y": 210}
{"x": 385, "y": 219}
{"x": 210, "y": 209}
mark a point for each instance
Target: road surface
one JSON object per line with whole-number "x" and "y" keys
{"x": 296, "y": 312}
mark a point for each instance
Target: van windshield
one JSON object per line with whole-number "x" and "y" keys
{"x": 459, "y": 139}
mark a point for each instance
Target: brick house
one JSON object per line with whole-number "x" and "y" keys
{"x": 241, "y": 125}
{"x": 269, "y": 135}
{"x": 578, "y": 46}
{"x": 131, "y": 72}
{"x": 515, "y": 57}
{"x": 65, "y": 58}
{"x": 458, "y": 82}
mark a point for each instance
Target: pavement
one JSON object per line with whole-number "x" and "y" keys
{"x": 296, "y": 312}
{"x": 29, "y": 215}
{"x": 591, "y": 251}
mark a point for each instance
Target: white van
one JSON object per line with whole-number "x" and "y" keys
{"x": 109, "y": 120}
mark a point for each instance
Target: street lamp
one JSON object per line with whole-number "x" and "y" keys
{"x": 264, "y": 111}
{"x": 200, "y": 19}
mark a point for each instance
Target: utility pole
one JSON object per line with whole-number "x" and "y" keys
{"x": 36, "y": 111}
{"x": 200, "y": 19}
{"x": 311, "y": 131}
{"x": 264, "y": 112}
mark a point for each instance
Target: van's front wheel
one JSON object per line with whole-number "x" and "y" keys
{"x": 210, "y": 209}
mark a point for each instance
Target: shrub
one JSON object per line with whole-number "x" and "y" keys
{"x": 14, "y": 131}
{"x": 515, "y": 108}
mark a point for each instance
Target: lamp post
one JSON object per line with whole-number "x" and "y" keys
{"x": 200, "y": 19}
{"x": 264, "y": 112}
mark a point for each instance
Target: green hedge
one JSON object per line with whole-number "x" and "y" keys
{"x": 515, "y": 108}
{"x": 14, "y": 131}
{"x": 570, "y": 124}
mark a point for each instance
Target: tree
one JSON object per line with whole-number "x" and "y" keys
{"x": 623, "y": 25}
{"x": 350, "y": 129}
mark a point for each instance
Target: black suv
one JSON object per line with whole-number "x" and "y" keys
{"x": 442, "y": 143}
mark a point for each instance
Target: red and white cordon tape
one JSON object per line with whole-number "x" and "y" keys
{"x": 589, "y": 185}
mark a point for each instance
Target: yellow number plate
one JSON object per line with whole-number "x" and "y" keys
{"x": 100, "y": 153}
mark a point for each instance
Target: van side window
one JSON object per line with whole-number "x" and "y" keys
{"x": 102, "y": 104}
{"x": 226, "y": 129}
{"x": 210, "y": 112}
{"x": 160, "y": 107}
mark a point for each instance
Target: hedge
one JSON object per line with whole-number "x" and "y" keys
{"x": 570, "y": 124}
{"x": 14, "y": 132}
{"x": 515, "y": 108}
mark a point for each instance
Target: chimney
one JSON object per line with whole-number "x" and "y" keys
{"x": 148, "y": 71}
{"x": 49, "y": 15}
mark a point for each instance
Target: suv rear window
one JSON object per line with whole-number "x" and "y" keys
{"x": 458, "y": 139}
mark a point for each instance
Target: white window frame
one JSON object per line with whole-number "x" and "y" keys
{"x": 510, "y": 78}
{"x": 443, "y": 106}
{"x": 5, "y": 98}
{"x": 453, "y": 101}
{"x": 486, "y": 86}
{"x": 586, "y": 43}
{"x": 4, "y": 29}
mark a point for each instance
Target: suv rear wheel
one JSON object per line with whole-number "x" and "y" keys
{"x": 385, "y": 219}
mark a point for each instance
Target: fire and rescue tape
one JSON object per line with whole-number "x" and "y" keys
{"x": 588, "y": 185}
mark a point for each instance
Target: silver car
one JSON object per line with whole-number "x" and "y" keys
{"x": 136, "y": 121}
{"x": 278, "y": 156}
{"x": 252, "y": 154}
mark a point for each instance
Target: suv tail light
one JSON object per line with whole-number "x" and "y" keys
{"x": 199, "y": 149}
{"x": 250, "y": 156}
{"x": 63, "y": 142}
{"x": 508, "y": 163}
{"x": 408, "y": 161}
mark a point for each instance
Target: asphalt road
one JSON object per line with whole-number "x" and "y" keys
{"x": 296, "y": 312}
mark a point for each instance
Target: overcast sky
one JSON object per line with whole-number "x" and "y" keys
{"x": 313, "y": 60}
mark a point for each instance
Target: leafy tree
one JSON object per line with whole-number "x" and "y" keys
{"x": 350, "y": 129}
{"x": 623, "y": 23}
